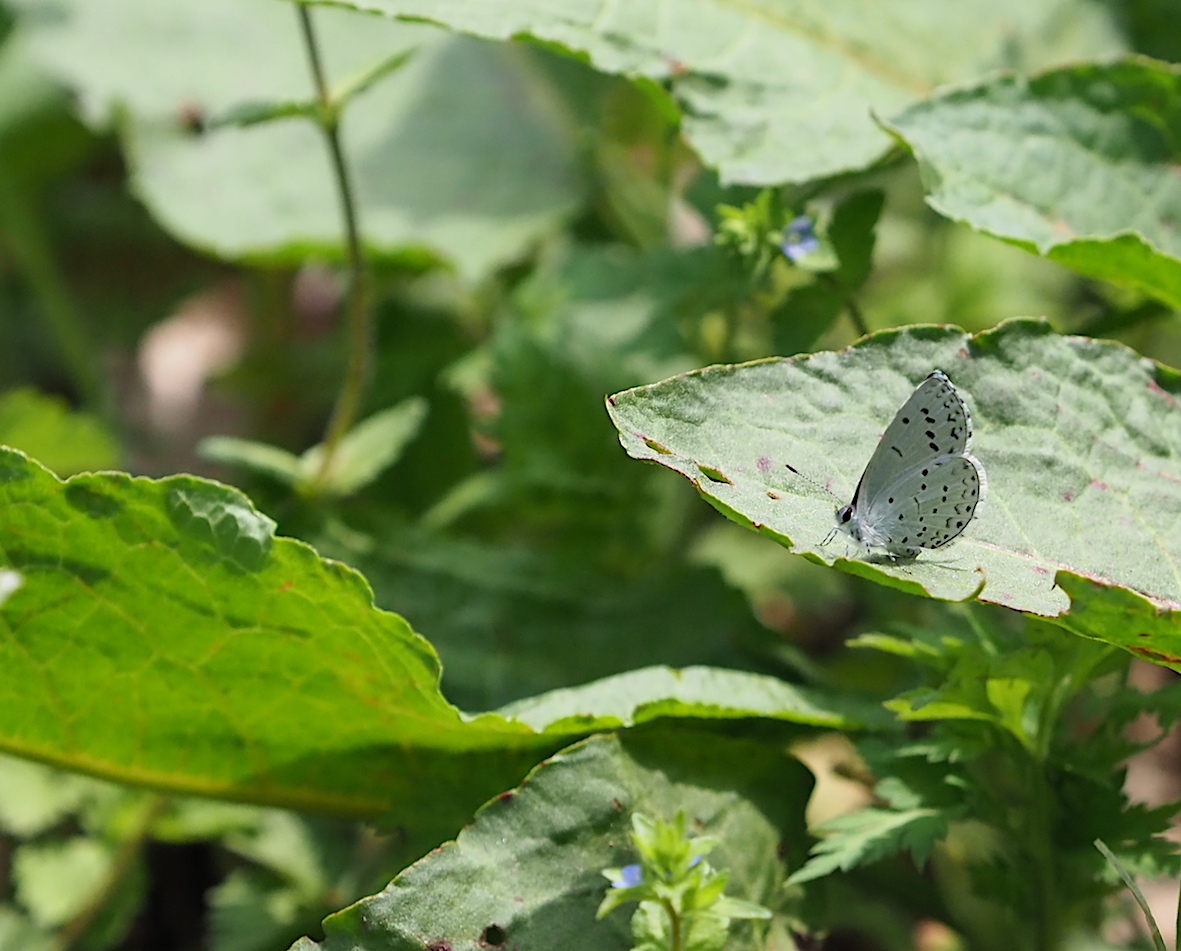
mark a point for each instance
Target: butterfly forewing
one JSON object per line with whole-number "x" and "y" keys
{"x": 934, "y": 421}
{"x": 921, "y": 486}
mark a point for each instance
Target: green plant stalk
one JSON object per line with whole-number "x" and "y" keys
{"x": 856, "y": 316}
{"x": 852, "y": 308}
{"x": 674, "y": 926}
{"x": 26, "y": 238}
{"x": 358, "y": 321}
{"x": 1158, "y": 942}
{"x": 77, "y": 927}
{"x": 1048, "y": 924}
{"x": 1039, "y": 829}
{"x": 351, "y": 88}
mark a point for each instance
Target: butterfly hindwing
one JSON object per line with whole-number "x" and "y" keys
{"x": 926, "y": 506}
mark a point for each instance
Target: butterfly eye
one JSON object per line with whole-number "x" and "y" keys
{"x": 844, "y": 514}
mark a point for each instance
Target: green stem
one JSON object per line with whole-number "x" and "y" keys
{"x": 359, "y": 327}
{"x": 856, "y": 316}
{"x": 674, "y": 926}
{"x": 353, "y": 87}
{"x": 116, "y": 879}
{"x": 1158, "y": 942}
{"x": 971, "y": 614}
{"x": 1041, "y": 846}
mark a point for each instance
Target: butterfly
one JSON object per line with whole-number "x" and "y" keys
{"x": 921, "y": 487}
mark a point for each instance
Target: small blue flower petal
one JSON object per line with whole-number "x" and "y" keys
{"x": 799, "y": 238}
{"x": 629, "y": 877}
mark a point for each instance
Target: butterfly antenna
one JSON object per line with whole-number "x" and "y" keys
{"x": 823, "y": 488}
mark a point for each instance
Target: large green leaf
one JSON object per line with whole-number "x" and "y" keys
{"x": 1081, "y": 441}
{"x": 550, "y": 840}
{"x": 1078, "y": 164}
{"x": 783, "y": 91}
{"x": 461, "y": 152}
{"x": 162, "y": 635}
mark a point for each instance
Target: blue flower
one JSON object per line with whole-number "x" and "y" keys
{"x": 629, "y": 877}
{"x": 799, "y": 238}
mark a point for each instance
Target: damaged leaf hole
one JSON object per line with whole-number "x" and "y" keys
{"x": 493, "y": 936}
{"x": 654, "y": 445}
{"x": 714, "y": 475}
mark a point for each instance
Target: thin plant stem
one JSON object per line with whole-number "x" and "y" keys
{"x": 971, "y": 614}
{"x": 856, "y": 316}
{"x": 852, "y": 308}
{"x": 674, "y": 927}
{"x": 116, "y": 878}
{"x": 1158, "y": 941}
{"x": 1047, "y": 922}
{"x": 359, "y": 328}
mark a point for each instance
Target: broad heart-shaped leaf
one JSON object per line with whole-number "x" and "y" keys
{"x": 161, "y": 635}
{"x": 1080, "y": 439}
{"x": 1078, "y": 164}
{"x": 527, "y": 872}
{"x": 459, "y": 153}
{"x": 783, "y": 91}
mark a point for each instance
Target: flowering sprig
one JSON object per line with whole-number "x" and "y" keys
{"x": 764, "y": 230}
{"x": 681, "y": 905}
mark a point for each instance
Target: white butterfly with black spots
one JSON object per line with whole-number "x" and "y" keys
{"x": 921, "y": 487}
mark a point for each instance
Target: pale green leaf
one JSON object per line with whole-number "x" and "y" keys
{"x": 774, "y": 92}
{"x": 699, "y": 692}
{"x": 462, "y": 153}
{"x": 253, "y": 456}
{"x": 371, "y": 447}
{"x": 54, "y": 880}
{"x": 1078, "y": 164}
{"x": 1073, "y": 434}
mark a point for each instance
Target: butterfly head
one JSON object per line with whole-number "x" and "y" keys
{"x": 846, "y": 522}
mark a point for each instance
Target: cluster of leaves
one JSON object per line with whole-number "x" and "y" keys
{"x": 680, "y": 894}
{"x": 468, "y": 619}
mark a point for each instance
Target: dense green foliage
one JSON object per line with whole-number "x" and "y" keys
{"x": 422, "y": 281}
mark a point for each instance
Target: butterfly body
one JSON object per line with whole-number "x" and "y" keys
{"x": 921, "y": 486}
